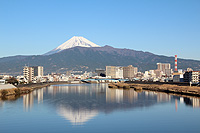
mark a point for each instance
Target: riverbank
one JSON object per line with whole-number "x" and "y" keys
{"x": 174, "y": 89}
{"x": 26, "y": 88}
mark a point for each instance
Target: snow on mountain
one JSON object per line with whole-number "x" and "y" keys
{"x": 73, "y": 42}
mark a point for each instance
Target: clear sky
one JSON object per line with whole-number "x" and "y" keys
{"x": 164, "y": 27}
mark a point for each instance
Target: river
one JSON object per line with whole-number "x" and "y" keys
{"x": 94, "y": 108}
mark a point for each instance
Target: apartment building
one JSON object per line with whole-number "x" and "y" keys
{"x": 38, "y": 70}
{"x": 31, "y": 72}
{"x": 192, "y": 76}
{"x": 114, "y": 71}
{"x": 28, "y": 73}
{"x": 130, "y": 72}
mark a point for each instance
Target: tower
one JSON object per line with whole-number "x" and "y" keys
{"x": 175, "y": 64}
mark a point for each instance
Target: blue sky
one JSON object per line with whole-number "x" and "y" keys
{"x": 164, "y": 27}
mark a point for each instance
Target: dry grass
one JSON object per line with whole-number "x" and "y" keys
{"x": 186, "y": 90}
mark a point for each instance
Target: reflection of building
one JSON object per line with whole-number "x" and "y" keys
{"x": 1, "y": 103}
{"x": 77, "y": 117}
{"x": 119, "y": 95}
{"x": 196, "y": 102}
{"x": 162, "y": 97}
{"x": 40, "y": 95}
{"x": 28, "y": 101}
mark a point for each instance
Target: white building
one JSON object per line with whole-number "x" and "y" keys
{"x": 114, "y": 71}
{"x": 38, "y": 70}
{"x": 32, "y": 72}
{"x": 28, "y": 73}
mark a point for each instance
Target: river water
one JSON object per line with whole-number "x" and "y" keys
{"x": 94, "y": 108}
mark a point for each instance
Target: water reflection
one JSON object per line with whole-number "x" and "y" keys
{"x": 81, "y": 102}
{"x": 1, "y": 104}
{"x": 77, "y": 117}
{"x": 28, "y": 100}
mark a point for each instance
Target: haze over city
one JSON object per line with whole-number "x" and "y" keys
{"x": 162, "y": 27}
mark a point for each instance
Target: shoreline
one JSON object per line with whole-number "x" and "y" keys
{"x": 167, "y": 88}
{"x": 26, "y": 88}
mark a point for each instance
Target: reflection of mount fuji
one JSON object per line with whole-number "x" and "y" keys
{"x": 80, "y": 103}
{"x": 78, "y": 116}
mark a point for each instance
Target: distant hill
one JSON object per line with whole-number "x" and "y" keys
{"x": 90, "y": 58}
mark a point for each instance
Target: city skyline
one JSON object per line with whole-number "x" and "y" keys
{"x": 140, "y": 25}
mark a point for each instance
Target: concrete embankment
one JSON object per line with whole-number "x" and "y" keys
{"x": 25, "y": 88}
{"x": 175, "y": 89}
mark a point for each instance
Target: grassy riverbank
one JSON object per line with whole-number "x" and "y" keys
{"x": 26, "y": 88}
{"x": 175, "y": 89}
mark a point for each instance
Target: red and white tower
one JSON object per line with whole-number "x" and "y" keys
{"x": 175, "y": 64}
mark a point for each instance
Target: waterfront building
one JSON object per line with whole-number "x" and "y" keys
{"x": 192, "y": 76}
{"x": 165, "y": 67}
{"x": 114, "y": 72}
{"x": 178, "y": 77}
{"x": 28, "y": 73}
{"x": 31, "y": 72}
{"x": 38, "y": 70}
{"x": 130, "y": 72}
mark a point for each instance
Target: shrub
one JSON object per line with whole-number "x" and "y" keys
{"x": 17, "y": 91}
{"x": 4, "y": 92}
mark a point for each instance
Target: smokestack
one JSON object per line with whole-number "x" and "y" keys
{"x": 175, "y": 64}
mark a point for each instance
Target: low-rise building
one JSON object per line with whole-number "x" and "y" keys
{"x": 178, "y": 77}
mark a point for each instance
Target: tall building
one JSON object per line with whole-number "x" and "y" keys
{"x": 114, "y": 71}
{"x": 38, "y": 70}
{"x": 31, "y": 72}
{"x": 192, "y": 76}
{"x": 28, "y": 73}
{"x": 129, "y": 72}
{"x": 165, "y": 67}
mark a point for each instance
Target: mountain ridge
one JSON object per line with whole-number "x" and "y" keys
{"x": 89, "y": 58}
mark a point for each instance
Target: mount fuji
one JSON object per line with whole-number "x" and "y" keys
{"x": 73, "y": 42}
{"x": 79, "y": 53}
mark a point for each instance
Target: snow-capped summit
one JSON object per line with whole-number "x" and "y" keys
{"x": 73, "y": 42}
